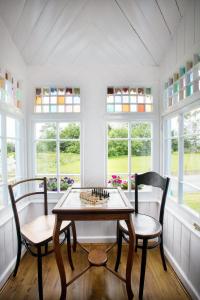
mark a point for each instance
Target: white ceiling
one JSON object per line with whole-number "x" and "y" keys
{"x": 61, "y": 32}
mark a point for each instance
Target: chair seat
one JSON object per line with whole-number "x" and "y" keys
{"x": 40, "y": 230}
{"x": 145, "y": 226}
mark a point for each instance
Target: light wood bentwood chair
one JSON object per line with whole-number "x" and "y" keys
{"x": 36, "y": 235}
{"x": 146, "y": 228}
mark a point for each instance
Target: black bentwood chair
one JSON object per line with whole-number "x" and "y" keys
{"x": 36, "y": 235}
{"x": 146, "y": 227}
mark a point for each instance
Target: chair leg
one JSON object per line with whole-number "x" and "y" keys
{"x": 119, "y": 247}
{"x": 74, "y": 236}
{"x": 136, "y": 244}
{"x": 69, "y": 249}
{"x": 143, "y": 267}
{"x": 162, "y": 253}
{"x": 19, "y": 250}
{"x": 39, "y": 262}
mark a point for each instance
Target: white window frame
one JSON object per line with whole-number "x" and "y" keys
{"x": 19, "y": 142}
{"x": 180, "y": 114}
{"x": 129, "y": 139}
{"x": 58, "y": 175}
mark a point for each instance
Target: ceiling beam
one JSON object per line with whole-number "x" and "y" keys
{"x": 170, "y": 33}
{"x": 135, "y": 32}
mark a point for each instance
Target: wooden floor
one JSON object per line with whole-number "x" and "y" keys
{"x": 97, "y": 283}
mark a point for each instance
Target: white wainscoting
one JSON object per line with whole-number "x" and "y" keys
{"x": 182, "y": 248}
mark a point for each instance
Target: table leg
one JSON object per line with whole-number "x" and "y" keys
{"x": 59, "y": 260}
{"x": 129, "y": 263}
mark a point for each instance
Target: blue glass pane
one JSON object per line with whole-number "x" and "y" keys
{"x": 110, "y": 108}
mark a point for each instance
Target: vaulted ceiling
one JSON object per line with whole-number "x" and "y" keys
{"x": 136, "y": 32}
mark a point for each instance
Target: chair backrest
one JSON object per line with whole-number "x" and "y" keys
{"x": 155, "y": 180}
{"x": 15, "y": 200}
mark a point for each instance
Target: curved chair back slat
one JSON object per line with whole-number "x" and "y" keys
{"x": 15, "y": 200}
{"x": 155, "y": 180}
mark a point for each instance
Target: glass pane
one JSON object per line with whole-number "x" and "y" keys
{"x": 191, "y": 197}
{"x": 110, "y": 99}
{"x": 174, "y": 158}
{"x": 76, "y": 100}
{"x": 69, "y": 180}
{"x": 69, "y": 130}
{"x": 174, "y": 127}
{"x": 141, "y": 130}
{"x": 1, "y": 197}
{"x": 117, "y": 157}
{"x": 45, "y": 130}
{"x": 46, "y": 157}
{"x": 173, "y": 188}
{"x": 77, "y": 108}
{"x": 11, "y": 160}
{"x": 118, "y": 130}
{"x": 192, "y": 160}
{"x": 110, "y": 108}
{"x": 140, "y": 156}
{"x": 115, "y": 180}
{"x": 192, "y": 122}
{"x": 70, "y": 157}
{"x": 10, "y": 127}
{"x": 118, "y": 108}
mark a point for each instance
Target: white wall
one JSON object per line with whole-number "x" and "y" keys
{"x": 182, "y": 242}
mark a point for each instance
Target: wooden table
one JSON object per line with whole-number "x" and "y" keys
{"x": 71, "y": 207}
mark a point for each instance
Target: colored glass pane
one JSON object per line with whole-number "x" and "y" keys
{"x": 140, "y": 108}
{"x": 69, "y": 108}
{"x": 126, "y": 108}
{"x": 133, "y": 108}
{"x": 38, "y": 100}
{"x": 118, "y": 99}
{"x": 38, "y": 91}
{"x": 53, "y": 100}
{"x": 141, "y": 99}
{"x": 38, "y": 108}
{"x": 61, "y": 100}
{"x": 148, "y": 99}
{"x": 148, "y": 91}
{"x": 18, "y": 104}
{"x": 61, "y": 91}
{"x": 118, "y": 108}
{"x": 45, "y": 108}
{"x": 76, "y": 108}
{"x": 133, "y": 91}
{"x": 68, "y": 99}
{"x": 133, "y": 99}
{"x": 76, "y": 91}
{"x": 125, "y": 90}
{"x": 53, "y": 108}
{"x": 76, "y": 100}
{"x": 125, "y": 99}
{"x": 46, "y": 91}
{"x": 110, "y": 108}
{"x": 140, "y": 91}
{"x": 53, "y": 91}
{"x": 118, "y": 91}
{"x": 45, "y": 100}
{"x": 110, "y": 99}
{"x": 110, "y": 90}
{"x": 69, "y": 91}
{"x": 148, "y": 107}
{"x": 61, "y": 108}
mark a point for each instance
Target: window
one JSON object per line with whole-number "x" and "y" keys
{"x": 129, "y": 152}
{"x": 11, "y": 163}
{"x": 57, "y": 153}
{"x": 182, "y": 157}
{"x": 57, "y": 100}
{"x": 10, "y": 90}
{"x": 125, "y": 100}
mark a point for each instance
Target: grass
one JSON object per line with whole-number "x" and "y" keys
{"x": 192, "y": 200}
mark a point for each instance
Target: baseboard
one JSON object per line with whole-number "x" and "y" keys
{"x": 8, "y": 271}
{"x": 187, "y": 284}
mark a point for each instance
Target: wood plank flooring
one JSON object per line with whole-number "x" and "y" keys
{"x": 97, "y": 283}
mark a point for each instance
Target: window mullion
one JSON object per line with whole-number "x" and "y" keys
{"x": 180, "y": 158}
{"x": 58, "y": 157}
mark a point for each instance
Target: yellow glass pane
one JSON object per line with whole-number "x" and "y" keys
{"x": 2, "y": 82}
{"x": 38, "y": 100}
{"x": 126, "y": 108}
{"x": 61, "y": 100}
{"x": 148, "y": 108}
{"x": 19, "y": 104}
